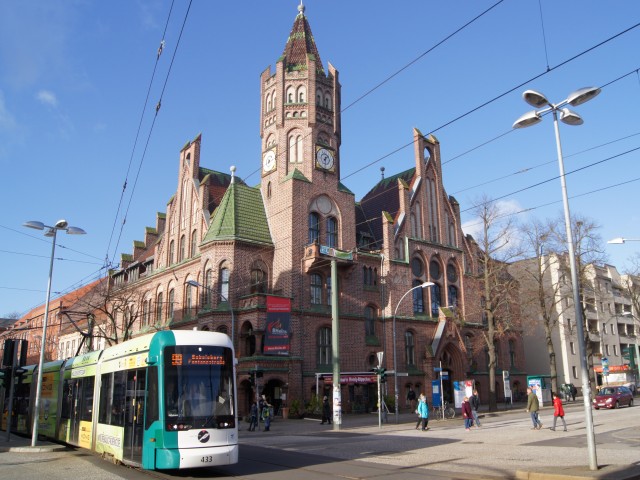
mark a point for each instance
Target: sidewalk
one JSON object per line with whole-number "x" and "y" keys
{"x": 367, "y": 424}
{"x": 20, "y": 444}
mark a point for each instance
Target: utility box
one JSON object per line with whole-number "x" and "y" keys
{"x": 541, "y": 385}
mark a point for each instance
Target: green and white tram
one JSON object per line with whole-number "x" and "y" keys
{"x": 161, "y": 401}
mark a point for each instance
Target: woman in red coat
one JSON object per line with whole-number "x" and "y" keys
{"x": 558, "y": 411}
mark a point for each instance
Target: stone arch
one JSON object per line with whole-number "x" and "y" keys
{"x": 453, "y": 362}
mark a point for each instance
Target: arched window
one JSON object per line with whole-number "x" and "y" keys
{"x": 418, "y": 297}
{"x": 188, "y": 300}
{"x": 432, "y": 214}
{"x": 369, "y": 322}
{"x": 409, "y": 348}
{"x": 224, "y": 284}
{"x": 327, "y": 101}
{"x": 258, "y": 280}
{"x": 434, "y": 270}
{"x": 324, "y": 346}
{"x": 159, "y": 304}
{"x": 436, "y": 300}
{"x": 314, "y": 227}
{"x": 414, "y": 225}
{"x": 512, "y": 353}
{"x": 182, "y": 248}
{"x": 170, "y": 305}
{"x": 194, "y": 242}
{"x": 332, "y": 232}
{"x": 144, "y": 321}
{"x": 267, "y": 103}
{"x": 172, "y": 252}
{"x": 290, "y": 94}
{"x": 194, "y": 212}
{"x": 318, "y": 98}
{"x": 302, "y": 94}
{"x": 316, "y": 289}
{"x": 269, "y": 190}
{"x": 208, "y": 283}
{"x": 295, "y": 148}
{"x": 453, "y": 296}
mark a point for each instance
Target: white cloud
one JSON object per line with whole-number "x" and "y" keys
{"x": 47, "y": 98}
{"x": 509, "y": 210}
{"x": 6, "y": 119}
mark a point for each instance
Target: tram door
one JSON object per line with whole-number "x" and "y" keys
{"x": 77, "y": 405}
{"x": 134, "y": 414}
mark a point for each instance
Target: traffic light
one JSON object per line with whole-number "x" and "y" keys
{"x": 383, "y": 375}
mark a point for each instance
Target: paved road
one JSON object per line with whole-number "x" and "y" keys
{"x": 305, "y": 449}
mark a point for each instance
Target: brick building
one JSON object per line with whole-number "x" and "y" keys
{"x": 222, "y": 248}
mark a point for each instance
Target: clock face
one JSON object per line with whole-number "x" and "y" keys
{"x": 324, "y": 159}
{"x": 269, "y": 161}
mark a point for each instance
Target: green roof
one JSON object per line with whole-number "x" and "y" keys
{"x": 240, "y": 216}
{"x": 297, "y": 175}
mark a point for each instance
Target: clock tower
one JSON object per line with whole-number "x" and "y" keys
{"x": 300, "y": 112}
{"x": 300, "y": 164}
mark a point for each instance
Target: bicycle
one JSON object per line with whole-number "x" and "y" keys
{"x": 449, "y": 411}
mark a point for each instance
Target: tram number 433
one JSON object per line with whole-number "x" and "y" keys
{"x": 207, "y": 459}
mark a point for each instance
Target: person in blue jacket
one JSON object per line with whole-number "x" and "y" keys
{"x": 423, "y": 412}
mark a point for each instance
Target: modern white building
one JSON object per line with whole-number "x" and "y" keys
{"x": 609, "y": 319}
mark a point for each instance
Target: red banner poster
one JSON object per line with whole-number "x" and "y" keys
{"x": 276, "y": 340}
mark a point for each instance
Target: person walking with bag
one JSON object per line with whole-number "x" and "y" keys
{"x": 558, "y": 411}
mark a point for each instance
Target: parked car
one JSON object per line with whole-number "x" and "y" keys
{"x": 613, "y": 397}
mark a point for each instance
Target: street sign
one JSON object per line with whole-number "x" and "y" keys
{"x": 444, "y": 374}
{"x": 437, "y": 369}
{"x": 403, "y": 374}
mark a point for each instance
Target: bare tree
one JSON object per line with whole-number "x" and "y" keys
{"x": 497, "y": 247}
{"x": 589, "y": 253}
{"x": 113, "y": 312}
{"x": 541, "y": 296}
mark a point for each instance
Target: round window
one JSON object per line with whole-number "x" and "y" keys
{"x": 452, "y": 273}
{"x": 416, "y": 267}
{"x": 434, "y": 269}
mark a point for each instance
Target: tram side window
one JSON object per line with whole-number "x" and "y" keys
{"x": 119, "y": 398}
{"x": 106, "y": 394}
{"x": 152, "y": 397}
{"x": 23, "y": 391}
{"x": 87, "y": 399}
{"x": 67, "y": 398}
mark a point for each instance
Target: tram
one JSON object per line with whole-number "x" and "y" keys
{"x": 166, "y": 400}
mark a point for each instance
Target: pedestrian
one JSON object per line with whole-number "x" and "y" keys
{"x": 266, "y": 414}
{"x": 574, "y": 391}
{"x": 411, "y": 398}
{"x": 326, "y": 411}
{"x": 467, "y": 413}
{"x": 532, "y": 407}
{"x": 253, "y": 417}
{"x": 558, "y": 411}
{"x": 474, "y": 401}
{"x": 423, "y": 413}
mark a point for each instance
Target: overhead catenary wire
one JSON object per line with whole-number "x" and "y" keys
{"x": 164, "y": 86}
{"x": 137, "y": 136}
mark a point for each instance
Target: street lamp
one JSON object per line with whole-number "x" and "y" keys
{"x": 539, "y": 101}
{"x": 193, "y": 283}
{"x": 620, "y": 240}
{"x": 395, "y": 355}
{"x": 51, "y": 232}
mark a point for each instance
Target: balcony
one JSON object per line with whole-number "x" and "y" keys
{"x": 318, "y": 256}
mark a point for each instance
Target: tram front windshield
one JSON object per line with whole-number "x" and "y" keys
{"x": 198, "y": 387}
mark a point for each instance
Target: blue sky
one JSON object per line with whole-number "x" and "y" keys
{"x": 74, "y": 76}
